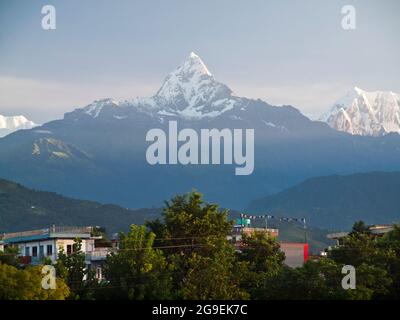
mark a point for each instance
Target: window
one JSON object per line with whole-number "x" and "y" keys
{"x": 69, "y": 248}
{"x": 27, "y": 251}
{"x": 41, "y": 251}
{"x": 49, "y": 250}
{"x": 34, "y": 251}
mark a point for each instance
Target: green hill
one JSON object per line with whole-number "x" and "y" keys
{"x": 335, "y": 202}
{"x": 23, "y": 209}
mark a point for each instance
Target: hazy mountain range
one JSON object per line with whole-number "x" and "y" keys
{"x": 336, "y": 202}
{"x": 98, "y": 152}
{"x": 26, "y": 209}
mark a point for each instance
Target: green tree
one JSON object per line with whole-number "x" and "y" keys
{"x": 10, "y": 256}
{"x": 263, "y": 259}
{"x": 137, "y": 270}
{"x": 212, "y": 277}
{"x": 360, "y": 227}
{"x": 27, "y": 285}
{"x": 358, "y": 247}
{"x": 313, "y": 281}
{"x": 372, "y": 260}
{"x": 372, "y": 282}
{"x": 390, "y": 245}
{"x": 73, "y": 269}
{"x": 195, "y": 236}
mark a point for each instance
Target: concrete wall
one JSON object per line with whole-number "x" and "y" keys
{"x": 295, "y": 253}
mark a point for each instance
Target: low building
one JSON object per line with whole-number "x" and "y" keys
{"x": 296, "y": 253}
{"x": 375, "y": 229}
{"x": 239, "y": 230}
{"x": 36, "y": 246}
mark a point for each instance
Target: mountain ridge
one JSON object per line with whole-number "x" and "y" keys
{"x": 360, "y": 112}
{"x": 22, "y": 208}
{"x": 190, "y": 91}
{"x": 337, "y": 201}
{"x": 98, "y": 152}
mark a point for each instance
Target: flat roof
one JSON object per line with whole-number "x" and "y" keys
{"x": 45, "y": 237}
{"x": 48, "y": 233}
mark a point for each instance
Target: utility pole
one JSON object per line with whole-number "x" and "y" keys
{"x": 305, "y": 230}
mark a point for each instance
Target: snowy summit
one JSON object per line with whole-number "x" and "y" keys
{"x": 365, "y": 113}
{"x": 190, "y": 91}
{"x": 14, "y": 123}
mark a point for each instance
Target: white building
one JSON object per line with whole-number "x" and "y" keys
{"x": 36, "y": 246}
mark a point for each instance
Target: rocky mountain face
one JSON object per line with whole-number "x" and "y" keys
{"x": 366, "y": 113}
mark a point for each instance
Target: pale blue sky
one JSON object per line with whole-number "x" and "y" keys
{"x": 284, "y": 52}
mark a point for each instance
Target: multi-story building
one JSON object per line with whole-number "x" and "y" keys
{"x": 36, "y": 246}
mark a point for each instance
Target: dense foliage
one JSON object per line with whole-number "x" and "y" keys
{"x": 188, "y": 255}
{"x": 26, "y": 284}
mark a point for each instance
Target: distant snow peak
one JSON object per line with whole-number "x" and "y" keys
{"x": 361, "y": 112}
{"x": 14, "y": 123}
{"x": 189, "y": 86}
{"x": 194, "y": 62}
{"x": 97, "y": 106}
{"x": 190, "y": 92}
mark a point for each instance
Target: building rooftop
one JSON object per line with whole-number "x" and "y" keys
{"x": 48, "y": 233}
{"x": 377, "y": 229}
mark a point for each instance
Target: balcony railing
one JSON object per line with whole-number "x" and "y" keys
{"x": 70, "y": 230}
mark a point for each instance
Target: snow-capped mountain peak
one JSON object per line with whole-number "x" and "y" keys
{"x": 190, "y": 91}
{"x": 191, "y": 86}
{"x": 362, "y": 112}
{"x": 97, "y": 106}
{"x": 14, "y": 123}
{"x": 194, "y": 64}
{"x": 342, "y": 103}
